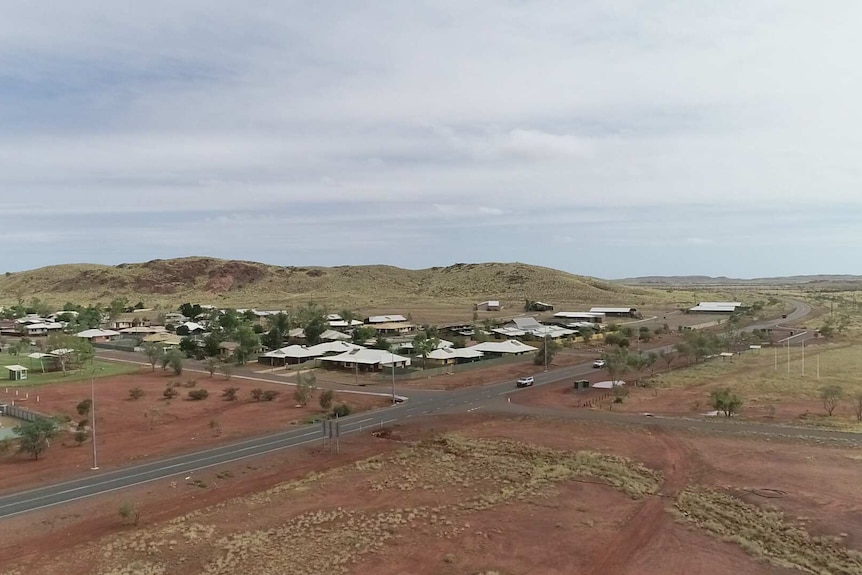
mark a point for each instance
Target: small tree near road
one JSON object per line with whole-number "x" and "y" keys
{"x": 80, "y": 437}
{"x": 175, "y": 361}
{"x": 211, "y": 365}
{"x": 304, "y": 388}
{"x": 550, "y": 347}
{"x": 154, "y": 353}
{"x": 831, "y": 395}
{"x": 725, "y": 401}
{"x": 226, "y": 369}
{"x": 136, "y": 393}
{"x": 326, "y": 398}
{"x": 229, "y": 393}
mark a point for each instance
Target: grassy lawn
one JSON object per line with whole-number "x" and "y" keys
{"x": 754, "y": 374}
{"x": 99, "y": 368}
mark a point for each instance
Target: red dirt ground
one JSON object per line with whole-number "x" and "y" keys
{"x": 126, "y": 433}
{"x": 584, "y": 528}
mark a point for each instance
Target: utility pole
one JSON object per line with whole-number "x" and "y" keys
{"x": 93, "y": 410}
{"x": 546, "y": 352}
{"x": 392, "y": 359}
{"x": 803, "y": 358}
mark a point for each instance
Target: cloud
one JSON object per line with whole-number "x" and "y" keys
{"x": 419, "y": 118}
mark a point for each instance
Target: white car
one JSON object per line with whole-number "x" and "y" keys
{"x": 526, "y": 381}
{"x": 599, "y": 363}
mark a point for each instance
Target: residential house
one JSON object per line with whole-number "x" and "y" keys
{"x": 522, "y": 326}
{"x": 378, "y": 319}
{"x": 366, "y": 360}
{"x": 490, "y": 305}
{"x": 41, "y": 329}
{"x": 542, "y": 306}
{"x": 579, "y": 316}
{"x": 453, "y": 355}
{"x": 226, "y": 349}
{"x": 393, "y": 328}
{"x": 98, "y": 335}
{"x": 503, "y": 348}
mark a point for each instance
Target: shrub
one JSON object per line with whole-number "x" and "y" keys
{"x": 80, "y": 436}
{"x": 341, "y": 410}
{"x": 83, "y": 423}
{"x": 229, "y": 393}
{"x": 84, "y": 406}
{"x": 198, "y": 394}
{"x": 129, "y": 512}
{"x": 326, "y": 397}
{"x": 269, "y": 395}
{"x": 136, "y": 393}
{"x": 190, "y": 383}
{"x": 170, "y": 393}
{"x": 256, "y": 394}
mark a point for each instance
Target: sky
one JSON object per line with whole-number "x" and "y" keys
{"x": 616, "y": 139}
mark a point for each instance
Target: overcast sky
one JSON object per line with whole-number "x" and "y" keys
{"x": 613, "y": 138}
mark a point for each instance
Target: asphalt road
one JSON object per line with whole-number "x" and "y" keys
{"x": 490, "y": 398}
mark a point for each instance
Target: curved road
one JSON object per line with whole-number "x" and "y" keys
{"x": 489, "y": 397}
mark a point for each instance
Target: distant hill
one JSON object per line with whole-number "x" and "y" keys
{"x": 721, "y": 281}
{"x": 251, "y": 284}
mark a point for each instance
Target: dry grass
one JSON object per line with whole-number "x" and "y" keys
{"x": 450, "y": 479}
{"x": 767, "y": 534}
{"x": 449, "y": 291}
{"x": 754, "y": 373}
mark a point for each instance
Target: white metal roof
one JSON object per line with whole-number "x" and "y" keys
{"x": 526, "y": 323}
{"x": 611, "y": 309}
{"x": 16, "y": 367}
{"x": 332, "y": 335}
{"x": 91, "y": 333}
{"x": 490, "y": 303}
{"x": 455, "y": 352}
{"x": 509, "y": 331}
{"x": 715, "y": 307}
{"x": 386, "y": 318}
{"x": 368, "y": 357}
{"x": 578, "y": 314}
{"x": 508, "y": 346}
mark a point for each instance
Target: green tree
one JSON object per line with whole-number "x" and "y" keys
{"x": 381, "y": 342}
{"x": 249, "y": 343}
{"x": 154, "y": 353}
{"x": 175, "y": 360}
{"x": 549, "y": 346}
{"x": 586, "y": 334}
{"x": 725, "y": 401}
{"x": 117, "y": 306}
{"x": 227, "y": 370}
{"x": 423, "y": 345}
{"x": 229, "y": 321}
{"x": 616, "y": 362}
{"x": 76, "y": 352}
{"x": 314, "y": 328}
{"x": 831, "y": 395}
{"x": 363, "y": 333}
{"x": 34, "y": 437}
{"x": 191, "y": 311}
{"x": 638, "y": 363}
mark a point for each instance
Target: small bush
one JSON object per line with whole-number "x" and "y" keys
{"x": 229, "y": 393}
{"x": 326, "y": 397}
{"x": 269, "y": 395}
{"x": 80, "y": 436}
{"x": 136, "y": 393}
{"x": 256, "y": 394}
{"x": 341, "y": 410}
{"x": 84, "y": 406}
{"x": 129, "y": 512}
{"x": 190, "y": 383}
{"x": 198, "y": 394}
{"x": 83, "y": 423}
{"x": 170, "y": 393}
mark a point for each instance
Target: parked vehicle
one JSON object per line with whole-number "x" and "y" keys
{"x": 526, "y": 381}
{"x": 599, "y": 363}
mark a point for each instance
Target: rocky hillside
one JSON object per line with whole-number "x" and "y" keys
{"x": 242, "y": 283}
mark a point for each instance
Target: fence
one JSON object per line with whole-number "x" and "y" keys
{"x": 409, "y": 374}
{"x": 20, "y": 413}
